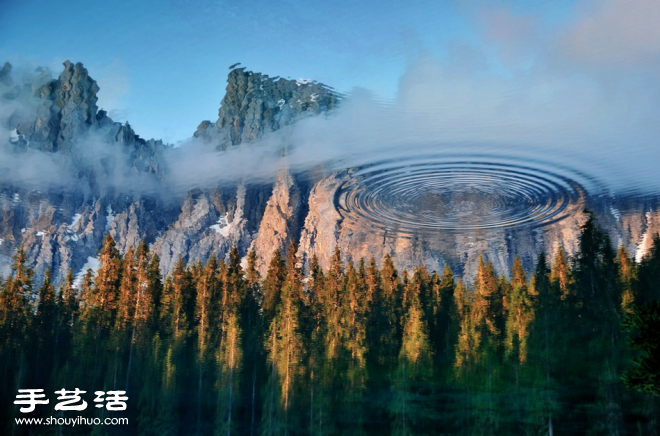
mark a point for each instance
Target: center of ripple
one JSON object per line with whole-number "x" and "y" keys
{"x": 432, "y": 194}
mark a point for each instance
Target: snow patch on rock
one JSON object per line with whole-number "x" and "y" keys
{"x": 93, "y": 264}
{"x": 14, "y": 136}
{"x": 223, "y": 226}
{"x": 645, "y": 243}
{"x": 76, "y": 220}
{"x": 109, "y": 218}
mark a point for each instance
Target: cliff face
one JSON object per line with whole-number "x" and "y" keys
{"x": 59, "y": 165}
{"x": 255, "y": 104}
{"x": 63, "y": 227}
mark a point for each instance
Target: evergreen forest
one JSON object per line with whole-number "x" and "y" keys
{"x": 359, "y": 348}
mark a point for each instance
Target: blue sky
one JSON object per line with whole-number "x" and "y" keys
{"x": 162, "y": 64}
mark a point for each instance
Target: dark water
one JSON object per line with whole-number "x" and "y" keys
{"x": 436, "y": 193}
{"x": 355, "y": 349}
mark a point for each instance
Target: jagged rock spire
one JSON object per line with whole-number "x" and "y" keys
{"x": 67, "y": 109}
{"x": 256, "y": 104}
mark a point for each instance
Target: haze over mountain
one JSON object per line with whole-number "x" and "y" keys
{"x": 270, "y": 170}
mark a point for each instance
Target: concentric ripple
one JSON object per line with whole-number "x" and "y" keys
{"x": 456, "y": 194}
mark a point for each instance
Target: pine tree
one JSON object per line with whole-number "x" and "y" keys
{"x": 314, "y": 298}
{"x": 127, "y": 291}
{"x": 205, "y": 308}
{"x": 314, "y": 333}
{"x": 386, "y": 327}
{"x": 333, "y": 294}
{"x": 284, "y": 346}
{"x": 207, "y": 286}
{"x": 103, "y": 298}
{"x": 414, "y": 367}
{"x": 254, "y": 331}
{"x": 272, "y": 286}
{"x": 178, "y": 301}
{"x": 628, "y": 280}
{"x": 68, "y": 314}
{"x": 68, "y": 303}
{"x": 229, "y": 354}
{"x": 544, "y": 334}
{"x": 351, "y": 367}
{"x": 354, "y": 308}
{"x": 486, "y": 308}
{"x": 252, "y": 275}
{"x": 46, "y": 309}
{"x": 520, "y": 313}
{"x": 644, "y": 322}
{"x": 86, "y": 293}
{"x": 44, "y": 329}
{"x": 589, "y": 257}
{"x": 468, "y": 341}
{"x": 18, "y": 299}
{"x": 372, "y": 280}
{"x": 447, "y": 319}
{"x": 649, "y": 273}
{"x": 147, "y": 289}
{"x": 155, "y": 288}
{"x": 561, "y": 276}
{"x": 415, "y": 353}
{"x": 229, "y": 358}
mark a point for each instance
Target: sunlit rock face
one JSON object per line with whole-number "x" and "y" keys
{"x": 256, "y": 104}
{"x": 70, "y": 175}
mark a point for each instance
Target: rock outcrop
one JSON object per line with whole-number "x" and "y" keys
{"x": 256, "y": 104}
{"x": 64, "y": 228}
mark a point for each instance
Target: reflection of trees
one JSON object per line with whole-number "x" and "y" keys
{"x": 355, "y": 349}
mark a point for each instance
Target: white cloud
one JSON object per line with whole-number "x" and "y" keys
{"x": 616, "y": 32}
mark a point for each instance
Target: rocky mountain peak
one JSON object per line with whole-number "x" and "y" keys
{"x": 255, "y": 104}
{"x": 5, "y": 74}
{"x": 118, "y": 184}
{"x": 67, "y": 109}
{"x": 75, "y": 90}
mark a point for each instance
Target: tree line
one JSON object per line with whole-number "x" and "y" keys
{"x": 357, "y": 348}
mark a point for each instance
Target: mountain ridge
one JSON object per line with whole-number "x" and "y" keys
{"x": 119, "y": 182}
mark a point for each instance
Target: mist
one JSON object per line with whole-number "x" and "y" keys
{"x": 99, "y": 162}
{"x": 95, "y": 166}
{"x": 561, "y": 93}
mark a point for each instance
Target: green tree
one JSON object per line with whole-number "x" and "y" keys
{"x": 178, "y": 302}
{"x": 102, "y": 301}
{"x": 561, "y": 276}
{"x": 486, "y": 309}
{"x": 519, "y": 305}
{"x": 284, "y": 347}
{"x": 272, "y": 285}
{"x": 414, "y": 367}
{"x": 649, "y": 273}
{"x": 446, "y": 320}
{"x": 17, "y": 299}
{"x": 628, "y": 279}
{"x": 644, "y": 324}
